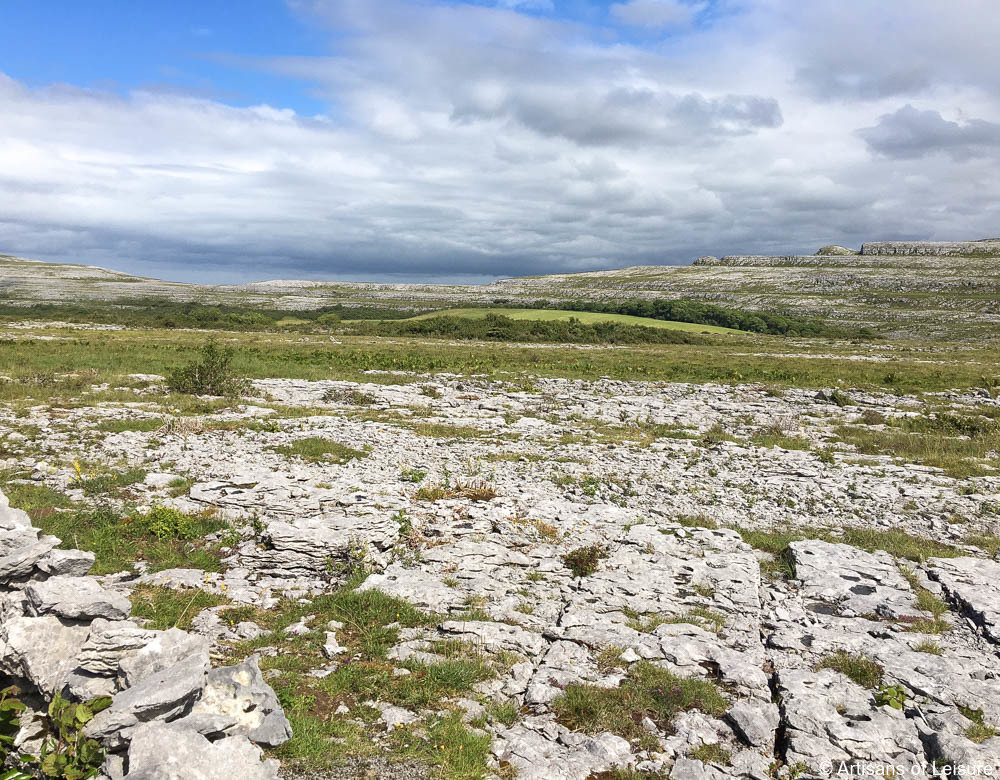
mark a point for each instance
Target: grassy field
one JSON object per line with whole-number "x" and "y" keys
{"x": 38, "y": 365}
{"x": 586, "y": 317}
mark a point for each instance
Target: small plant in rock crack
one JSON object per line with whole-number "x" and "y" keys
{"x": 891, "y": 696}
{"x": 10, "y": 721}
{"x": 412, "y": 475}
{"x": 583, "y": 561}
{"x": 66, "y": 752}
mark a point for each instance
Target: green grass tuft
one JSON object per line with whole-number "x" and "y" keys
{"x": 859, "y": 668}
{"x": 648, "y": 691}
{"x": 315, "y": 449}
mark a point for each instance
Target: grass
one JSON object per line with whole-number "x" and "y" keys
{"x": 988, "y": 542}
{"x": 775, "y": 437}
{"x": 315, "y": 449}
{"x": 110, "y": 483}
{"x": 608, "y": 658}
{"x": 141, "y": 425}
{"x": 647, "y": 691}
{"x": 926, "y": 602}
{"x": 472, "y": 491}
{"x": 711, "y": 754}
{"x": 371, "y": 623}
{"x": 505, "y": 712}
{"x": 164, "y": 539}
{"x": 928, "y": 646}
{"x": 696, "y": 616}
{"x": 165, "y": 608}
{"x": 110, "y": 356}
{"x": 979, "y": 730}
{"x": 587, "y": 318}
{"x": 859, "y": 668}
{"x": 952, "y": 443}
{"x": 696, "y": 521}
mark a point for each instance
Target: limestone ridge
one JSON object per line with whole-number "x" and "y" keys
{"x": 902, "y": 289}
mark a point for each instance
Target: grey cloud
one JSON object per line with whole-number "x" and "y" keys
{"x": 858, "y": 50}
{"x": 847, "y": 80}
{"x": 631, "y": 116}
{"x": 910, "y": 134}
{"x": 468, "y": 141}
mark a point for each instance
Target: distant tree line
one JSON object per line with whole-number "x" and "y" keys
{"x": 496, "y": 327}
{"x": 158, "y": 313}
{"x": 701, "y": 313}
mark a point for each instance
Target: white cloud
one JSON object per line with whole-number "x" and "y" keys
{"x": 477, "y": 140}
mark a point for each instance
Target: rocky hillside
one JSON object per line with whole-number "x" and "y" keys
{"x": 902, "y": 289}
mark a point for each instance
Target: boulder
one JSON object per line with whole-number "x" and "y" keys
{"x": 76, "y": 598}
{"x": 163, "y": 696}
{"x": 109, "y": 642}
{"x": 240, "y": 693}
{"x": 73, "y": 563}
{"x": 42, "y": 650}
{"x": 161, "y": 751}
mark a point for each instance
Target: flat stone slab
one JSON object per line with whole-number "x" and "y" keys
{"x": 853, "y": 580}
{"x": 975, "y": 583}
{"x": 76, "y": 598}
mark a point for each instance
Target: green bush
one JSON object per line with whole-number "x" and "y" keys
{"x": 165, "y": 523}
{"x": 583, "y": 561}
{"x": 212, "y": 375}
{"x": 66, "y": 752}
{"x": 496, "y": 327}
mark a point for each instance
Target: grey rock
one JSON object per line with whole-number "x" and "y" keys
{"x": 163, "y": 651}
{"x": 163, "y": 695}
{"x": 755, "y": 722}
{"x": 76, "y": 598}
{"x": 493, "y": 637}
{"x": 393, "y": 716}
{"x": 692, "y": 769}
{"x": 42, "y": 650}
{"x": 109, "y": 642}
{"x": 72, "y": 563}
{"x": 331, "y": 647}
{"x": 828, "y": 717}
{"x": 535, "y": 757}
{"x": 161, "y": 751}
{"x": 852, "y": 579}
{"x": 24, "y": 550}
{"x": 239, "y": 692}
{"x": 160, "y": 479}
{"x": 975, "y": 584}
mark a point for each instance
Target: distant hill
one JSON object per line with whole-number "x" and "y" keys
{"x": 899, "y": 288}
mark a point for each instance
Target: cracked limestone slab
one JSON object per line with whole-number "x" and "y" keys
{"x": 76, "y": 598}
{"x": 975, "y": 583}
{"x": 855, "y": 581}
{"x": 536, "y": 757}
{"x": 829, "y": 718}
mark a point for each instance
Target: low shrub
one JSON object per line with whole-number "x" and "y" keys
{"x": 583, "y": 561}
{"x": 212, "y": 375}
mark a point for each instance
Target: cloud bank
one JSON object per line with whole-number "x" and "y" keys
{"x": 475, "y": 140}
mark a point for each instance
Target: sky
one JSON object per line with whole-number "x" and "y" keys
{"x": 467, "y": 140}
